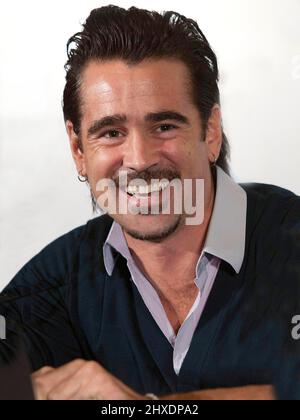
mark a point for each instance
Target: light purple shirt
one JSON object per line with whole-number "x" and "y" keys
{"x": 225, "y": 240}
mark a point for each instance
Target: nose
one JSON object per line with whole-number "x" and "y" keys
{"x": 140, "y": 153}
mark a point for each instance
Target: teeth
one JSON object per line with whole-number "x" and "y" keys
{"x": 147, "y": 189}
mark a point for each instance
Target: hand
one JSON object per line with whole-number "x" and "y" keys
{"x": 80, "y": 380}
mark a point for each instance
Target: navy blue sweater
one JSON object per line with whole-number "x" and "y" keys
{"x": 64, "y": 306}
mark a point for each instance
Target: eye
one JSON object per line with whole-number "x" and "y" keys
{"x": 110, "y": 134}
{"x": 167, "y": 127}
{"x": 115, "y": 134}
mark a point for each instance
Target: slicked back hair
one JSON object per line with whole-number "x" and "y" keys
{"x": 133, "y": 35}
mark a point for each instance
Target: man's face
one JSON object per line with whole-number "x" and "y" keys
{"x": 148, "y": 145}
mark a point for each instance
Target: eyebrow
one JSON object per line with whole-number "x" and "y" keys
{"x": 110, "y": 120}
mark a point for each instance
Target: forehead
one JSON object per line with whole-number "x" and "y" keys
{"x": 159, "y": 82}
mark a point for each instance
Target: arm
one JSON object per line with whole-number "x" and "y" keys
{"x": 252, "y": 393}
{"x": 34, "y": 306}
{"x": 82, "y": 380}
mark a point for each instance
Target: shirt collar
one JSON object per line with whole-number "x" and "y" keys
{"x": 226, "y": 235}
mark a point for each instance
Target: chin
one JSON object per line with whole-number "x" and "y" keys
{"x": 152, "y": 228}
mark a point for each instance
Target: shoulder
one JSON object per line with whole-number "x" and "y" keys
{"x": 52, "y": 266}
{"x": 267, "y": 191}
{"x": 271, "y": 205}
{"x": 273, "y": 228}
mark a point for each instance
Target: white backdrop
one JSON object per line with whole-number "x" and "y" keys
{"x": 258, "y": 46}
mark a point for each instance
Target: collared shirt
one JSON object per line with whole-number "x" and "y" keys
{"x": 225, "y": 241}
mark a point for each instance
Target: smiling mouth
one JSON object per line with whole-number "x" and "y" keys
{"x": 143, "y": 191}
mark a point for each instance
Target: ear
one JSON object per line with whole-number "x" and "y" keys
{"x": 76, "y": 151}
{"x": 214, "y": 131}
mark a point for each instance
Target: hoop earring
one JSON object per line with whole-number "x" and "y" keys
{"x": 214, "y": 163}
{"x": 82, "y": 178}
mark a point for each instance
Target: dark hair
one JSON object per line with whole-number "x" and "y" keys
{"x": 133, "y": 35}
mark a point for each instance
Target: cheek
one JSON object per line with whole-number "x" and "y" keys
{"x": 189, "y": 155}
{"x": 197, "y": 153}
{"x": 101, "y": 164}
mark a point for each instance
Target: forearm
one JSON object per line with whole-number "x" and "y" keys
{"x": 253, "y": 393}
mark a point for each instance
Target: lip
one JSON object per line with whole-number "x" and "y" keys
{"x": 163, "y": 186}
{"x": 151, "y": 201}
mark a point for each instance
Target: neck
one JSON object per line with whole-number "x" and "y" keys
{"x": 178, "y": 254}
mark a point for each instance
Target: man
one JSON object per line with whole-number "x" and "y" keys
{"x": 137, "y": 304}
